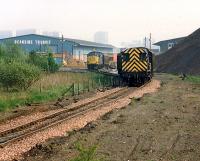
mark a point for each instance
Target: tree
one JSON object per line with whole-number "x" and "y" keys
{"x": 10, "y": 51}
{"x": 52, "y": 65}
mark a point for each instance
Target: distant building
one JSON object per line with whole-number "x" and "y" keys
{"x": 62, "y": 49}
{"x": 101, "y": 37}
{"x": 53, "y": 34}
{"x": 168, "y": 44}
{"x": 6, "y": 34}
{"x": 26, "y": 32}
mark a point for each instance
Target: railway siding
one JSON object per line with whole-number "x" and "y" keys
{"x": 14, "y": 150}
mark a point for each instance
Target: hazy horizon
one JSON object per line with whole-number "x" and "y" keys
{"x": 125, "y": 20}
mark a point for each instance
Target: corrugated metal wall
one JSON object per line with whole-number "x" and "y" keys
{"x": 80, "y": 52}
{"x": 40, "y": 43}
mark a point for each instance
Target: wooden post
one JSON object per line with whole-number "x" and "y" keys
{"x": 78, "y": 88}
{"x": 73, "y": 89}
{"x": 88, "y": 85}
{"x": 40, "y": 86}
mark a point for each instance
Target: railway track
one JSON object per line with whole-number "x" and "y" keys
{"x": 23, "y": 131}
{"x": 18, "y": 133}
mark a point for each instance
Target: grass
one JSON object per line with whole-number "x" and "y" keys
{"x": 48, "y": 88}
{"x": 13, "y": 99}
{"x": 189, "y": 78}
{"x": 193, "y": 79}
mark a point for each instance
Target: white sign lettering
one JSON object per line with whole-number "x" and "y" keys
{"x": 30, "y": 42}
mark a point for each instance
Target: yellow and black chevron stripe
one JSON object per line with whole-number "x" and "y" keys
{"x": 134, "y": 64}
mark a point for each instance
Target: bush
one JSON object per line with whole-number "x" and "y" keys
{"x": 18, "y": 74}
{"x": 53, "y": 67}
{"x": 38, "y": 60}
{"x": 46, "y": 63}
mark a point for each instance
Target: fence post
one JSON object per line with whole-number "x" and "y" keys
{"x": 83, "y": 86}
{"x": 73, "y": 89}
{"x": 78, "y": 88}
{"x": 40, "y": 86}
{"x": 88, "y": 85}
{"x": 107, "y": 83}
{"x": 99, "y": 80}
{"x": 103, "y": 83}
{"x": 92, "y": 83}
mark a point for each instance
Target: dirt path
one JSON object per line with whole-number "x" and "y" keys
{"x": 160, "y": 126}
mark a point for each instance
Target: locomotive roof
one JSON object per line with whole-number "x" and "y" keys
{"x": 136, "y": 48}
{"x": 95, "y": 52}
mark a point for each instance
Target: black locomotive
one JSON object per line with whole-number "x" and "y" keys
{"x": 135, "y": 65}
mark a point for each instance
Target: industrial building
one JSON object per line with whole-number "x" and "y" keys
{"x": 168, "y": 44}
{"x": 62, "y": 48}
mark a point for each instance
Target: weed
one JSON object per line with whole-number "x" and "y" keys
{"x": 86, "y": 154}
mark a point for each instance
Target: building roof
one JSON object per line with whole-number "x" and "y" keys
{"x": 169, "y": 40}
{"x": 89, "y": 43}
{"x": 76, "y": 41}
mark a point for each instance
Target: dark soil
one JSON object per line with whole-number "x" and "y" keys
{"x": 183, "y": 58}
{"x": 160, "y": 126}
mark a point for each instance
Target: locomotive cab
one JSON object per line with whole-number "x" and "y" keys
{"x": 95, "y": 60}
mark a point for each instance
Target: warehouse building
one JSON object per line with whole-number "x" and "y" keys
{"x": 168, "y": 44}
{"x": 62, "y": 48}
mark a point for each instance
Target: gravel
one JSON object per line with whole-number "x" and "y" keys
{"x": 25, "y": 119}
{"x": 38, "y": 115}
{"x": 14, "y": 151}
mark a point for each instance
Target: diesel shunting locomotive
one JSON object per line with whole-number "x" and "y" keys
{"x": 135, "y": 65}
{"x": 97, "y": 60}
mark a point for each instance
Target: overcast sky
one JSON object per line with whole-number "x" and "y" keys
{"x": 125, "y": 20}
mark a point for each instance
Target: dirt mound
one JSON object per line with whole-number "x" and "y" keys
{"x": 183, "y": 58}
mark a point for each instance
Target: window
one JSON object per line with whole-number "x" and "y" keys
{"x": 143, "y": 56}
{"x": 170, "y": 45}
{"x": 126, "y": 57}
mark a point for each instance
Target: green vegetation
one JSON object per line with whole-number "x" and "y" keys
{"x": 86, "y": 154}
{"x": 18, "y": 75}
{"x": 32, "y": 78}
{"x": 19, "y": 70}
{"x": 45, "y": 62}
{"x": 13, "y": 99}
{"x": 193, "y": 79}
{"x": 11, "y": 52}
{"x": 50, "y": 87}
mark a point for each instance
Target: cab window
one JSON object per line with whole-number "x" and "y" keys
{"x": 126, "y": 57}
{"x": 143, "y": 56}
